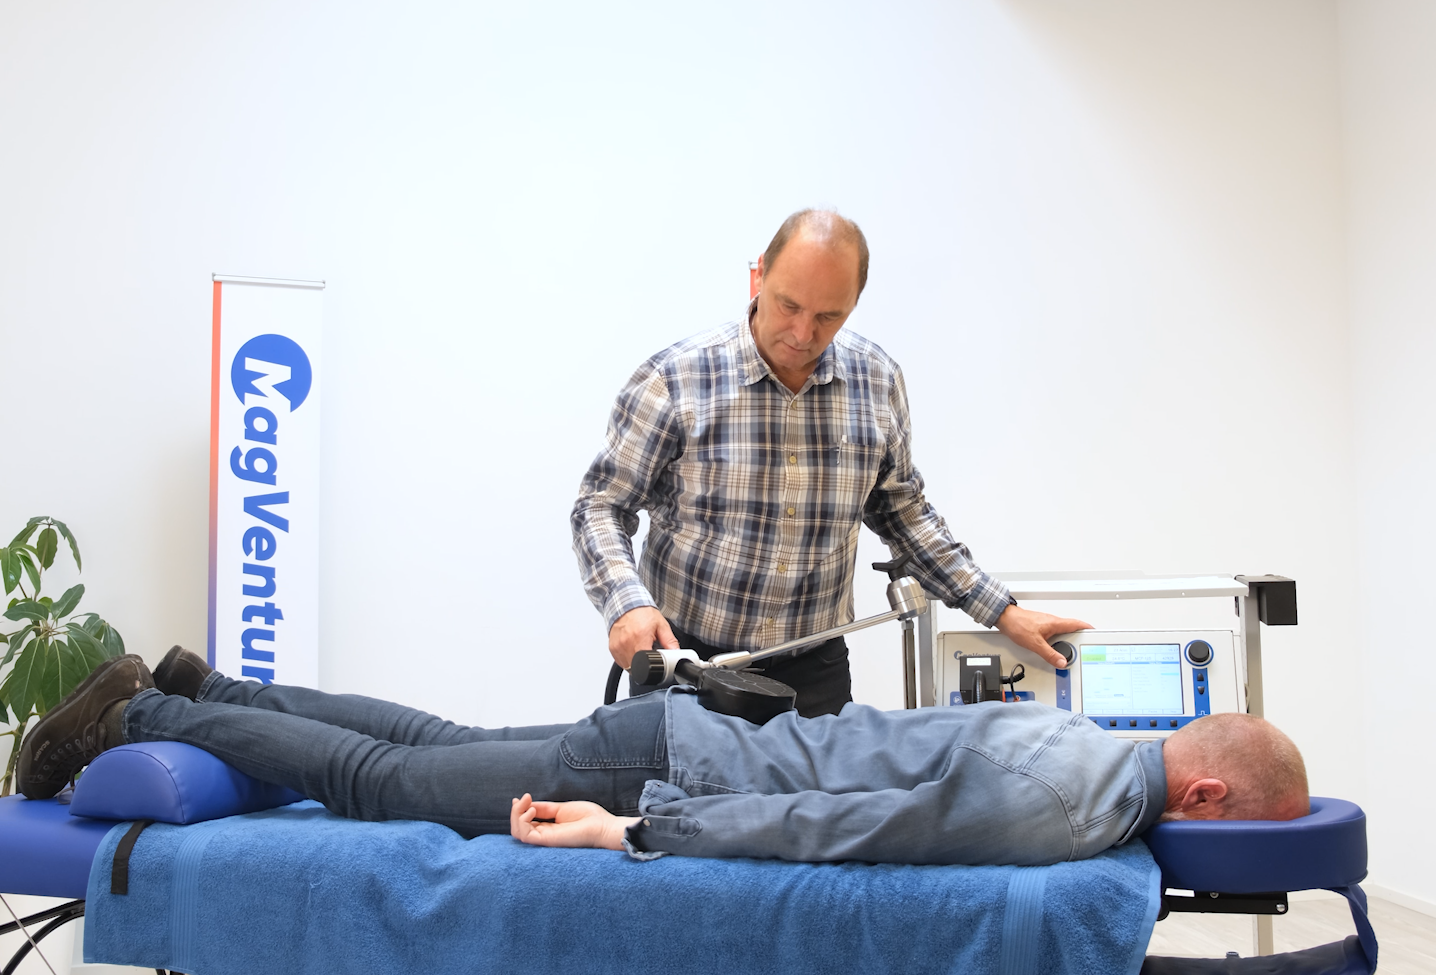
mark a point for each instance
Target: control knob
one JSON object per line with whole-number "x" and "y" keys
{"x": 1199, "y": 653}
{"x": 1067, "y": 650}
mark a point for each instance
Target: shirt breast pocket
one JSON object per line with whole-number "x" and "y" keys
{"x": 849, "y": 470}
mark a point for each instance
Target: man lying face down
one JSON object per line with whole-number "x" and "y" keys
{"x": 990, "y": 783}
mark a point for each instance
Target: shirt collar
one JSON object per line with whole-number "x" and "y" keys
{"x": 755, "y": 368}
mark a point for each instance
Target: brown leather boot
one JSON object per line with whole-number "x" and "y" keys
{"x": 181, "y": 672}
{"x": 76, "y": 730}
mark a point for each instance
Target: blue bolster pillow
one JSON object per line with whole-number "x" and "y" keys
{"x": 170, "y": 782}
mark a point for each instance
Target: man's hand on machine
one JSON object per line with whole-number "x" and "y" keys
{"x": 639, "y": 629}
{"x": 573, "y": 824}
{"x": 1031, "y": 630}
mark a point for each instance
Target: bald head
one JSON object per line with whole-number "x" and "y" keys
{"x": 1234, "y": 766}
{"x": 824, "y": 227}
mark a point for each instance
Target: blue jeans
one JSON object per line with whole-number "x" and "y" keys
{"x": 370, "y": 759}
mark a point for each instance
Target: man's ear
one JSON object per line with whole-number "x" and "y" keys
{"x": 760, "y": 272}
{"x": 1203, "y": 797}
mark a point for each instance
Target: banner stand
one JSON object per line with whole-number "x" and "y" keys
{"x": 264, "y": 479}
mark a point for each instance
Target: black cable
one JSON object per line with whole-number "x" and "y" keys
{"x": 1018, "y": 672}
{"x": 610, "y": 690}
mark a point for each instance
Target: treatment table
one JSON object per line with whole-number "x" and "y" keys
{"x": 237, "y": 877}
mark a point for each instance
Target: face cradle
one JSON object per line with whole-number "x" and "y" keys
{"x": 804, "y": 299}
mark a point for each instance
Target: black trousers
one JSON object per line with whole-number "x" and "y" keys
{"x": 820, "y": 675}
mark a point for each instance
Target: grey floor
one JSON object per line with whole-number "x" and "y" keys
{"x": 1407, "y": 938}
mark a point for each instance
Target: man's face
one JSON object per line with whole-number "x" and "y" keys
{"x": 806, "y": 296}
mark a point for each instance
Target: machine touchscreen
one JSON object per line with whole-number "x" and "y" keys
{"x": 1133, "y": 678}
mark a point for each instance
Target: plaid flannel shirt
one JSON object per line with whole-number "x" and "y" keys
{"x": 755, "y": 494}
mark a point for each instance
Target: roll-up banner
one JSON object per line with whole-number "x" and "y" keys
{"x": 264, "y": 479}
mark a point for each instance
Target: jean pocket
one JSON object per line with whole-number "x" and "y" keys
{"x": 625, "y": 735}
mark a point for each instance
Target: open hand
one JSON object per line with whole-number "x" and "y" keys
{"x": 1031, "y": 631}
{"x": 572, "y": 824}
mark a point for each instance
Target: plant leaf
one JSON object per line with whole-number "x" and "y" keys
{"x": 74, "y": 547}
{"x": 23, "y": 554}
{"x": 21, "y": 689}
{"x": 16, "y": 640}
{"x": 9, "y": 569}
{"x": 89, "y": 650}
{"x": 45, "y": 547}
{"x": 66, "y": 604}
{"x": 27, "y": 609}
{"x": 28, "y": 530}
{"x": 75, "y": 665}
{"x": 110, "y": 639}
{"x": 48, "y": 693}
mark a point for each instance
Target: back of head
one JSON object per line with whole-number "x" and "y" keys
{"x": 1262, "y": 768}
{"x": 822, "y": 225}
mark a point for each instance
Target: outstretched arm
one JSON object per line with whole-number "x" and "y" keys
{"x": 909, "y": 525}
{"x": 642, "y": 438}
{"x": 571, "y": 824}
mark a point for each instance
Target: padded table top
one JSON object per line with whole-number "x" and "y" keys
{"x": 44, "y": 850}
{"x": 1324, "y": 849}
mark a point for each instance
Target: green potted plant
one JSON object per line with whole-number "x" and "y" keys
{"x": 56, "y": 647}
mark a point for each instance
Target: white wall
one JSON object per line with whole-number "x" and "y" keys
{"x": 1107, "y": 245}
{"x": 1389, "y": 116}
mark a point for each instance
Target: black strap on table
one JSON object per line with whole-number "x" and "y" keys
{"x": 120, "y": 869}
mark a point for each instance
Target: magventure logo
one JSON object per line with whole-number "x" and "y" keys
{"x": 272, "y": 376}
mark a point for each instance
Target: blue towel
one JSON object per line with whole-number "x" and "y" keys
{"x": 297, "y": 889}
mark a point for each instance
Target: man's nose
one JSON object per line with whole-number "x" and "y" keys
{"x": 805, "y": 327}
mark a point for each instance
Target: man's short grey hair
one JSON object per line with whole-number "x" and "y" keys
{"x": 1262, "y": 767}
{"x": 823, "y": 225}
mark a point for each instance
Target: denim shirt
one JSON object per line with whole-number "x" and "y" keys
{"x": 991, "y": 783}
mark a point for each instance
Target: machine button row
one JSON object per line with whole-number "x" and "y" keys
{"x": 1132, "y": 722}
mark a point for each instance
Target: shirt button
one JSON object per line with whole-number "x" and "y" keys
{"x": 782, "y": 567}
{"x": 792, "y": 458}
{"x": 792, "y": 511}
{"x": 771, "y": 621}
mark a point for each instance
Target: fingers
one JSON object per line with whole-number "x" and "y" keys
{"x": 1052, "y": 656}
{"x": 523, "y": 821}
{"x": 638, "y": 629}
{"x": 551, "y": 823}
{"x": 549, "y": 810}
{"x": 521, "y": 817}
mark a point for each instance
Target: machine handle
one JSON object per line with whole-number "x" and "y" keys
{"x": 895, "y": 569}
{"x": 651, "y": 668}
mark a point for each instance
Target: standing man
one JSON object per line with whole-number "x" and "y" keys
{"x": 759, "y": 449}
